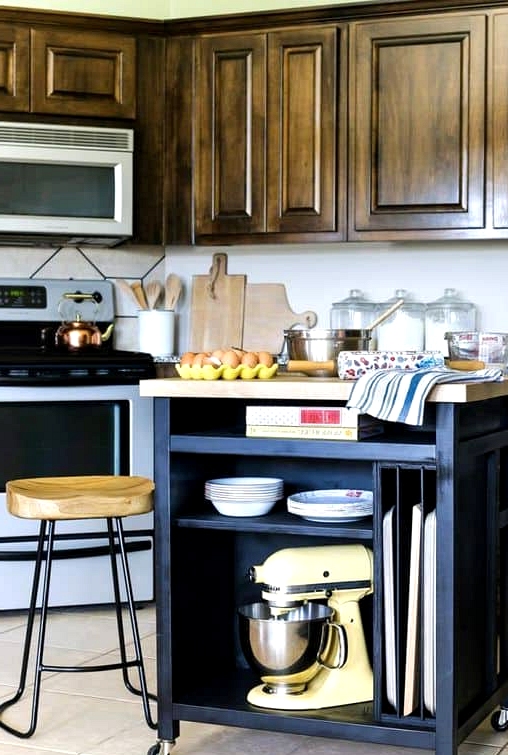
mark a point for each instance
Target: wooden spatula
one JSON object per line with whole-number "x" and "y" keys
{"x": 128, "y": 291}
{"x": 153, "y": 290}
{"x": 139, "y": 294}
{"x": 173, "y": 289}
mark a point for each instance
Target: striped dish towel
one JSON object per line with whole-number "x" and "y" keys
{"x": 399, "y": 395}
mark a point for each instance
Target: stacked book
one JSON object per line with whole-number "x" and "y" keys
{"x": 310, "y": 422}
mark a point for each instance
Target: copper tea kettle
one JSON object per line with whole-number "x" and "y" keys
{"x": 80, "y": 334}
{"x": 75, "y": 334}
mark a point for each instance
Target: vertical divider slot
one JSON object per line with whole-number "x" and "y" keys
{"x": 407, "y": 495}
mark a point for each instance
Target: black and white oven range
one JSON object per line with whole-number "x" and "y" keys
{"x": 69, "y": 414}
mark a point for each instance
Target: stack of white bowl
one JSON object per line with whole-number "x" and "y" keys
{"x": 244, "y": 496}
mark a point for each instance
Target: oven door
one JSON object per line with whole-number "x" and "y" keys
{"x": 54, "y": 431}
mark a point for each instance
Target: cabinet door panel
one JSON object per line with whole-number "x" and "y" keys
{"x": 231, "y": 109}
{"x": 500, "y": 121}
{"x": 83, "y": 73}
{"x": 14, "y": 68}
{"x": 418, "y": 112}
{"x": 301, "y": 130}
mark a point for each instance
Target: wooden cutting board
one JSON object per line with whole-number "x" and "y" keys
{"x": 267, "y": 315}
{"x": 217, "y": 308}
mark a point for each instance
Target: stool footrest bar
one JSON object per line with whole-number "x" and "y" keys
{"x": 84, "y": 669}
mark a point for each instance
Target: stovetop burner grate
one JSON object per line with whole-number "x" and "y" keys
{"x": 27, "y": 366}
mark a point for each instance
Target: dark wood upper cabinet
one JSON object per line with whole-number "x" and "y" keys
{"x": 417, "y": 134}
{"x": 302, "y": 125}
{"x": 500, "y": 121}
{"x": 71, "y": 72}
{"x": 268, "y": 123}
{"x": 14, "y": 68}
{"x": 231, "y": 123}
{"x": 83, "y": 73}
{"x": 149, "y": 141}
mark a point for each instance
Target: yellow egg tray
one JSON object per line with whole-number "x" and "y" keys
{"x": 224, "y": 372}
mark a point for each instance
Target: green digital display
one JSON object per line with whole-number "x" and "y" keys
{"x": 23, "y": 297}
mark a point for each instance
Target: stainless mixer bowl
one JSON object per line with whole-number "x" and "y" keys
{"x": 282, "y": 645}
{"x": 323, "y": 345}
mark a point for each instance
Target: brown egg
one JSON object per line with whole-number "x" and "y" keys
{"x": 215, "y": 361}
{"x": 199, "y": 359}
{"x": 264, "y": 357}
{"x": 230, "y": 358}
{"x": 218, "y": 354}
{"x": 238, "y": 352}
{"x": 250, "y": 359}
{"x": 187, "y": 358}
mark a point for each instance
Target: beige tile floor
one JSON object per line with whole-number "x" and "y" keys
{"x": 93, "y": 714}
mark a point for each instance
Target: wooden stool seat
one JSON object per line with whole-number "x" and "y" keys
{"x": 49, "y": 500}
{"x": 88, "y": 497}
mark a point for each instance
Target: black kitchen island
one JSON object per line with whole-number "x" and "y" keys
{"x": 453, "y": 467}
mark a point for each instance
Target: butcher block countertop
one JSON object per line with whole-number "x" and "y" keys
{"x": 298, "y": 388}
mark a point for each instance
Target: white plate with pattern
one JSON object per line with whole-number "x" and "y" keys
{"x": 349, "y": 505}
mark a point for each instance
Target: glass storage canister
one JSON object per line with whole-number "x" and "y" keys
{"x": 353, "y": 313}
{"x": 447, "y": 314}
{"x": 405, "y": 329}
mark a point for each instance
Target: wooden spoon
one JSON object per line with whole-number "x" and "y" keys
{"x": 386, "y": 314}
{"x": 153, "y": 292}
{"x": 173, "y": 289}
{"x": 127, "y": 290}
{"x": 139, "y": 294}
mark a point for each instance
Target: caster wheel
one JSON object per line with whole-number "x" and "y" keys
{"x": 499, "y": 720}
{"x": 154, "y": 750}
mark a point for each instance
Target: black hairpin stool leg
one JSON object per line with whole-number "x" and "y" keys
{"x": 39, "y": 666}
{"x": 138, "y": 655}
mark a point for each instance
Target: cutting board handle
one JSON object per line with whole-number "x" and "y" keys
{"x": 218, "y": 269}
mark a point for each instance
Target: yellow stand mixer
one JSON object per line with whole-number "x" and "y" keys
{"x": 307, "y": 638}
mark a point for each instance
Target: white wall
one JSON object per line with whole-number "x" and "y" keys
{"x": 318, "y": 275}
{"x": 167, "y": 9}
{"x": 188, "y": 8}
{"x": 151, "y": 9}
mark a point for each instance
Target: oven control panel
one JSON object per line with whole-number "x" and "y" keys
{"x": 24, "y": 297}
{"x": 39, "y": 299}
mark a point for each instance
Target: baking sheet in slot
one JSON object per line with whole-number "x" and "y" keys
{"x": 429, "y": 613}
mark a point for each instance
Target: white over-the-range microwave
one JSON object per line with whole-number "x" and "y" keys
{"x": 65, "y": 184}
